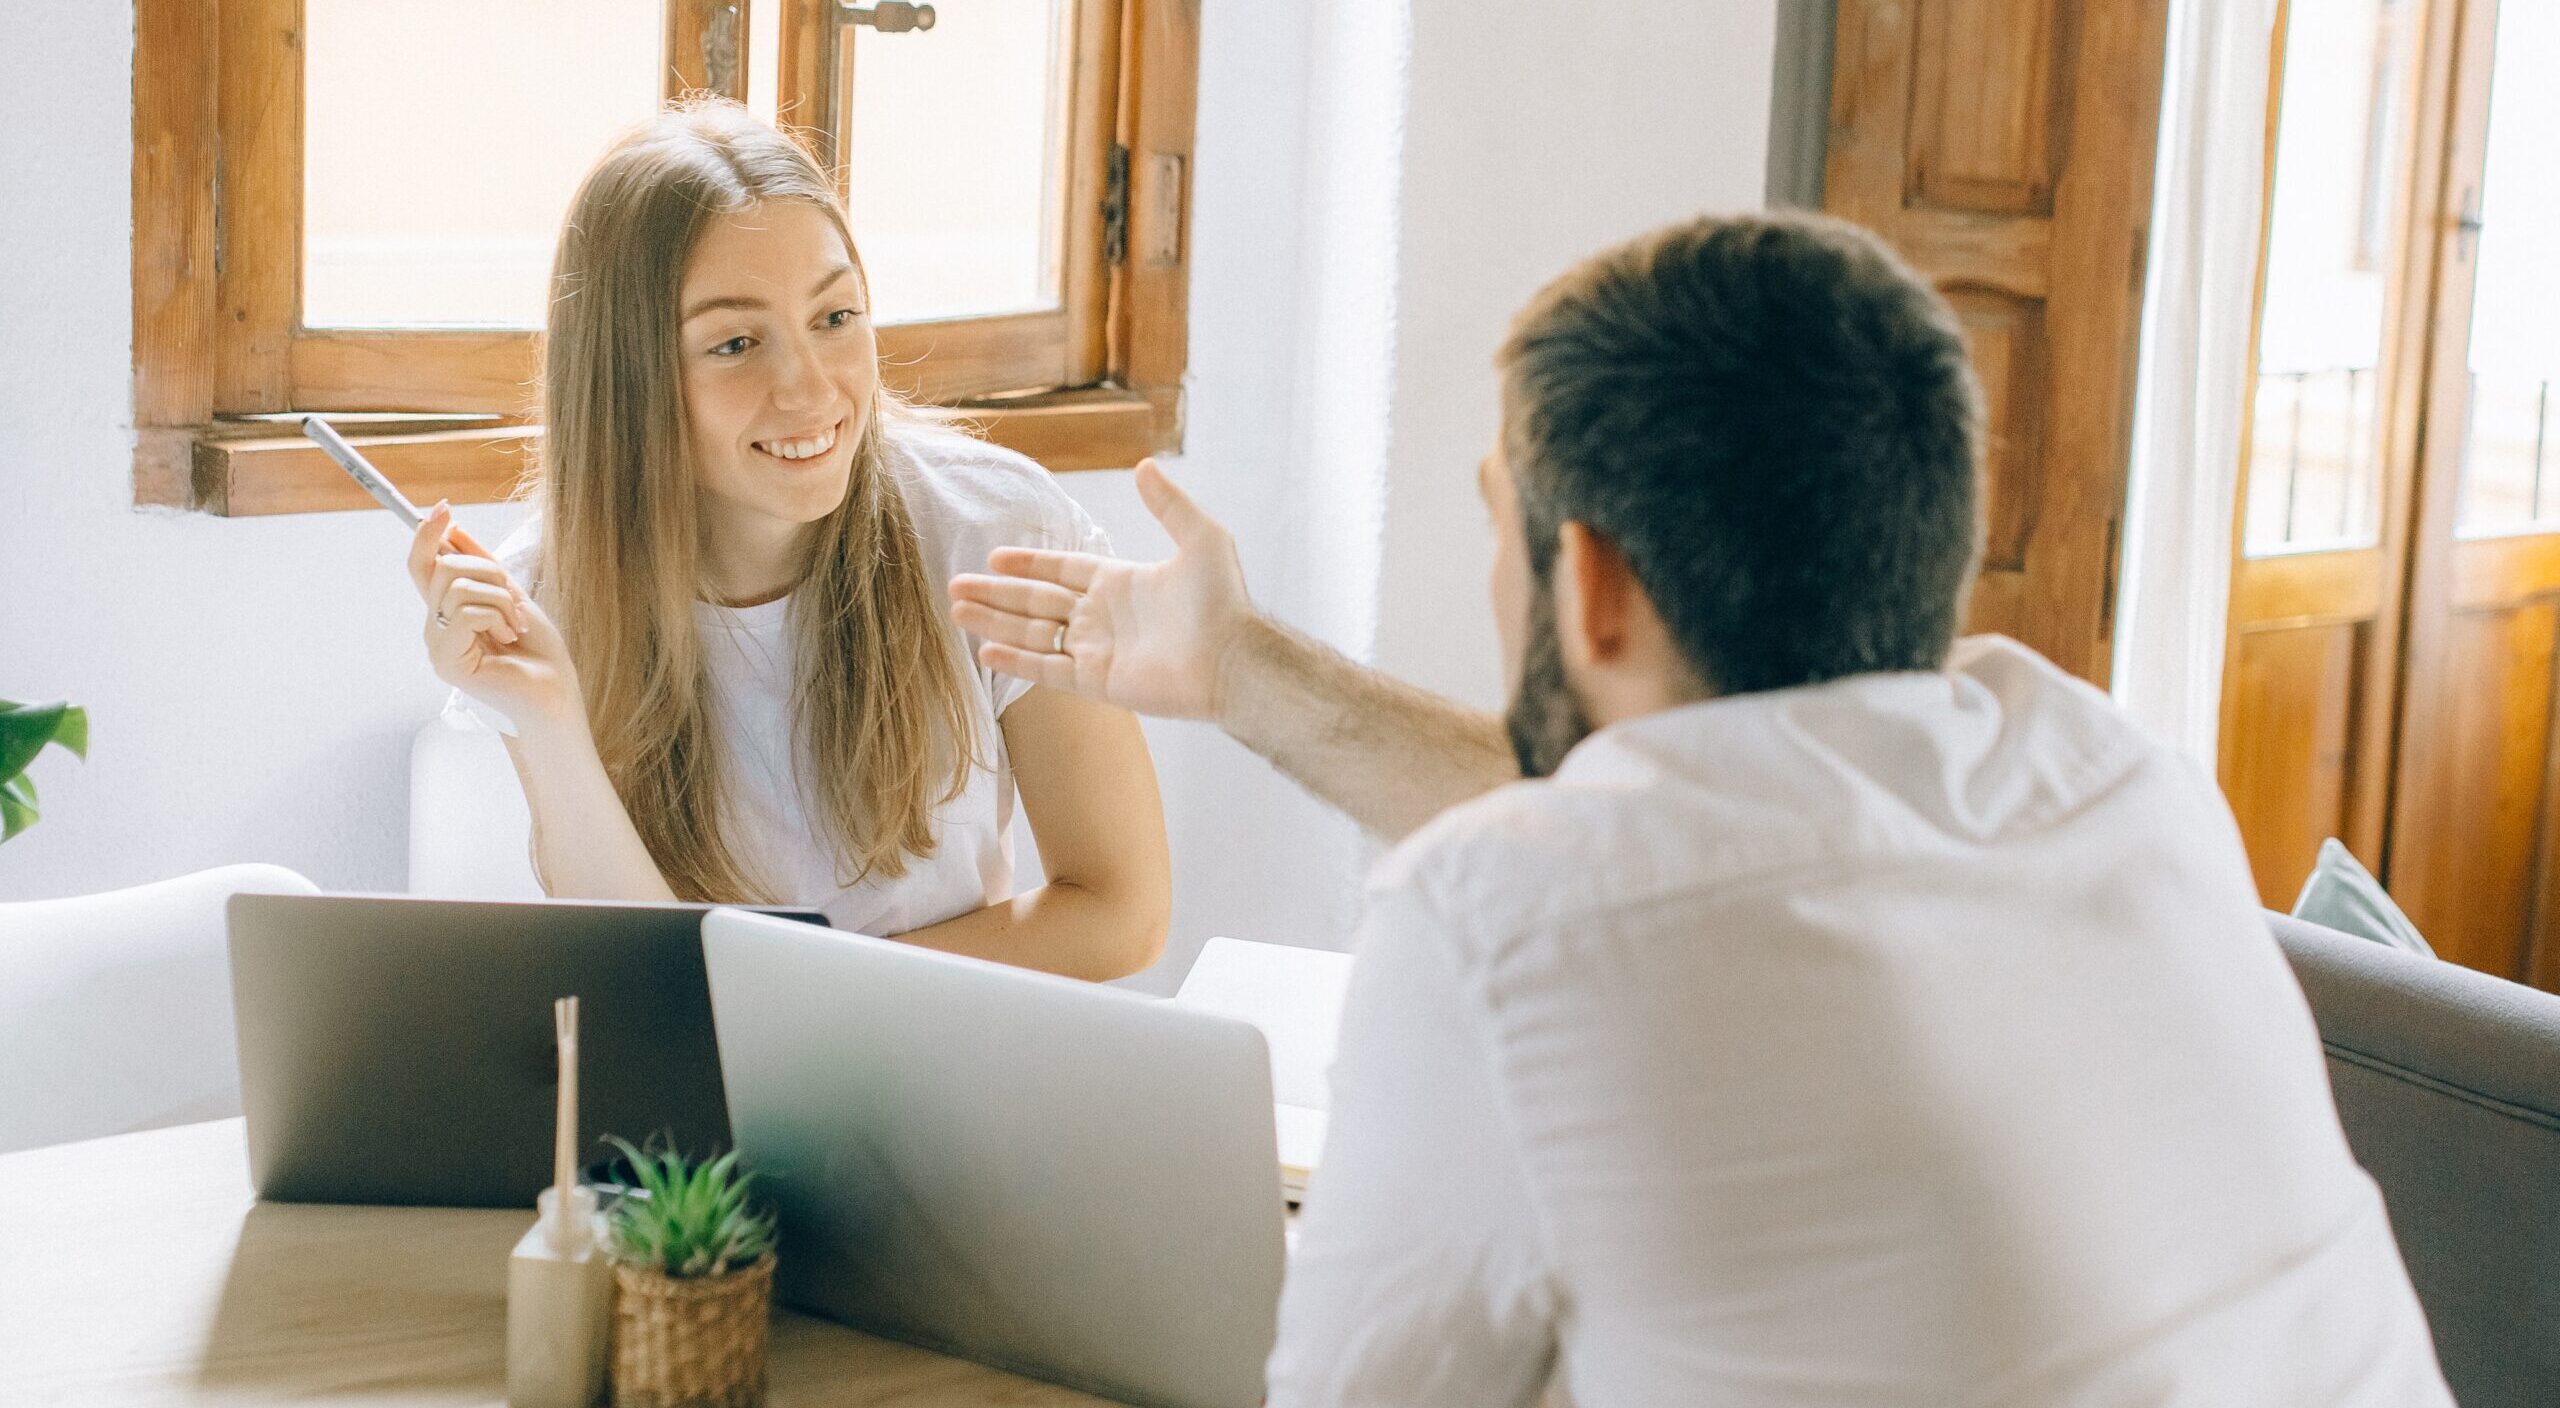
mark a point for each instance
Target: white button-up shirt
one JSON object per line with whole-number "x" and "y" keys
{"x": 1910, "y": 1039}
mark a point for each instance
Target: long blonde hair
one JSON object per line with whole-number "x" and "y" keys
{"x": 881, "y": 705}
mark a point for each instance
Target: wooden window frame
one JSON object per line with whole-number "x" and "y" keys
{"x": 220, "y": 359}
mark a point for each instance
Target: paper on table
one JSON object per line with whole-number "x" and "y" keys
{"x": 1294, "y": 996}
{"x": 1301, "y": 1133}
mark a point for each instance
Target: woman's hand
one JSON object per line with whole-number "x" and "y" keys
{"x": 485, "y": 637}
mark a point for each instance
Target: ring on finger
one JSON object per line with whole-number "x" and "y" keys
{"x": 1058, "y": 646}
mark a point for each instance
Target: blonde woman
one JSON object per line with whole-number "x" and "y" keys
{"x": 727, "y": 667}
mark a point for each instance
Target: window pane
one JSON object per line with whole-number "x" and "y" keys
{"x": 764, "y": 60}
{"x": 442, "y": 143}
{"x": 2511, "y": 463}
{"x": 956, "y": 159}
{"x": 2315, "y": 449}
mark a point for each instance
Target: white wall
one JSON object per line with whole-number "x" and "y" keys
{"x": 1528, "y": 146}
{"x": 251, "y": 684}
{"x": 1378, "y": 187}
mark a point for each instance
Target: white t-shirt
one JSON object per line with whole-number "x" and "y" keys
{"x": 1911, "y": 1039}
{"x": 967, "y": 497}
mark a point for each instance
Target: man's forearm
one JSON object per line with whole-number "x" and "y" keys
{"x": 1389, "y": 754}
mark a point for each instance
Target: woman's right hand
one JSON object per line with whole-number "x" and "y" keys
{"x": 485, "y": 637}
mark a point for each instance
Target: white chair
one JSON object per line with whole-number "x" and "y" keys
{"x": 469, "y": 833}
{"x": 115, "y": 1008}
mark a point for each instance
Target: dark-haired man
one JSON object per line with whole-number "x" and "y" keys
{"x": 1837, "y": 1013}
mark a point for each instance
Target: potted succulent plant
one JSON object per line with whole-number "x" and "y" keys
{"x": 693, "y": 1276}
{"x": 24, "y": 731}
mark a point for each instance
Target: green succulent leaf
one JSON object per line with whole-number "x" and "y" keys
{"x": 687, "y": 1217}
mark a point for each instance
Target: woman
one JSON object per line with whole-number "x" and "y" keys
{"x": 751, "y": 693}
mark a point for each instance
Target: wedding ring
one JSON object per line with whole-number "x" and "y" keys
{"x": 1059, "y": 646}
{"x": 443, "y": 620}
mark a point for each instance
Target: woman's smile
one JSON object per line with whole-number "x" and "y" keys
{"x": 801, "y": 446}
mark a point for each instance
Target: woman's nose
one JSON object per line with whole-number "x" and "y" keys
{"x": 799, "y": 376}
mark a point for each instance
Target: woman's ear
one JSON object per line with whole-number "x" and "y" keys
{"x": 1594, "y": 590}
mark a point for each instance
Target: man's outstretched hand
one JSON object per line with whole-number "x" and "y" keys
{"x": 1180, "y": 639}
{"x": 1153, "y": 637}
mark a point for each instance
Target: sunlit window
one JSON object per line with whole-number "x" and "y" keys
{"x": 2511, "y": 448}
{"x": 442, "y": 143}
{"x": 955, "y": 169}
{"x": 2315, "y": 449}
{"x": 434, "y": 201}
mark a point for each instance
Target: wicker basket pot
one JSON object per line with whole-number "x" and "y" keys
{"x": 690, "y": 1342}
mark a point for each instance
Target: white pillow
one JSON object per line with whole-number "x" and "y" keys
{"x": 2344, "y": 896}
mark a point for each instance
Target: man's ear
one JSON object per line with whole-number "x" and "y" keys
{"x": 1594, "y": 596}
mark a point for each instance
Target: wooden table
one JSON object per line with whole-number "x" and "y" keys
{"x": 139, "y": 1270}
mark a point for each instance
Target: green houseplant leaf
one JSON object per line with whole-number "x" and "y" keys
{"x": 25, "y": 729}
{"x": 17, "y": 806}
{"x": 687, "y": 1217}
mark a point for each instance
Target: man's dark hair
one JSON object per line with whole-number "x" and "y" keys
{"x": 1773, "y": 419}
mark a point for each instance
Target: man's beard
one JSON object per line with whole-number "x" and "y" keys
{"x": 1545, "y": 720}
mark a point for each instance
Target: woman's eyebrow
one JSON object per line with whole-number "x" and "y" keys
{"x": 833, "y": 276}
{"x": 743, "y": 301}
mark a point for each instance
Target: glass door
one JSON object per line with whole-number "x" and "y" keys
{"x": 2472, "y": 836}
{"x": 2305, "y": 735}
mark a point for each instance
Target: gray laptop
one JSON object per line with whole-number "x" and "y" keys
{"x": 1064, "y": 1180}
{"x": 399, "y": 1050}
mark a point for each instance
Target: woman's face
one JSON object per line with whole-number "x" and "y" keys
{"x": 780, "y": 368}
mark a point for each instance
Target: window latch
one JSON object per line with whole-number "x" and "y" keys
{"x": 2467, "y": 225}
{"x": 1115, "y": 205}
{"x": 887, "y": 17}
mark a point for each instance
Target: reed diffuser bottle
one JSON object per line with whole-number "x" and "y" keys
{"x": 559, "y": 1281}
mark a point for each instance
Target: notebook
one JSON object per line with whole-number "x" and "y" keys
{"x": 1294, "y": 995}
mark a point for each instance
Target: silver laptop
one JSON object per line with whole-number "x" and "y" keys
{"x": 1064, "y": 1180}
{"x": 399, "y": 1050}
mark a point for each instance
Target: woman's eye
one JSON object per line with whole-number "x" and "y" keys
{"x": 733, "y": 347}
{"x": 842, "y": 317}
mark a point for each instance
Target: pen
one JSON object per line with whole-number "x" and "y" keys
{"x": 370, "y": 479}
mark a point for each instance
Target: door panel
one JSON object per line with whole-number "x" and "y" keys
{"x": 1982, "y": 111}
{"x": 2005, "y": 147}
{"x": 2005, "y": 335}
{"x": 2469, "y": 875}
{"x": 2288, "y": 754}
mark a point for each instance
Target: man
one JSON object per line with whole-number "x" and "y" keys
{"x": 1837, "y": 1014}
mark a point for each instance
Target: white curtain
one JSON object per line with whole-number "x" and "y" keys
{"x": 2193, "y": 375}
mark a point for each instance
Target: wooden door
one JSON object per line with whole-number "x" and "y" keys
{"x": 2005, "y": 147}
{"x": 2311, "y": 669}
{"x": 2475, "y": 845}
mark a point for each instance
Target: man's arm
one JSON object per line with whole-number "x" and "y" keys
{"x": 1389, "y": 754}
{"x": 1181, "y": 639}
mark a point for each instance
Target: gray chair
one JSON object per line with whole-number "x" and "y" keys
{"x": 2448, "y": 1083}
